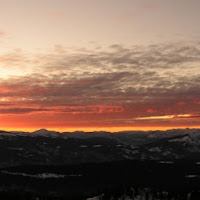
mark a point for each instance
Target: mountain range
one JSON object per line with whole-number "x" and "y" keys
{"x": 54, "y": 148}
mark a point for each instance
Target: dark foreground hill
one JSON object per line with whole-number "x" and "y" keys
{"x": 125, "y": 165}
{"x": 110, "y": 180}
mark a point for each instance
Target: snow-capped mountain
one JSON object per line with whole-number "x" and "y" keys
{"x": 172, "y": 133}
{"x": 46, "y": 133}
{"x": 181, "y": 146}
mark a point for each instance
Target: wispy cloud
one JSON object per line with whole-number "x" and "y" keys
{"x": 2, "y": 33}
{"x": 56, "y": 14}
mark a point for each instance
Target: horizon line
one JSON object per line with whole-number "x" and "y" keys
{"x": 97, "y": 129}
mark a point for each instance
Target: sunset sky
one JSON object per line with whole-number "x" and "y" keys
{"x": 90, "y": 65}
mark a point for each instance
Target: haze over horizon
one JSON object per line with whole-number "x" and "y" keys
{"x": 91, "y": 65}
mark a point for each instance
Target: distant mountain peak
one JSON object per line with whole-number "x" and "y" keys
{"x": 45, "y": 132}
{"x": 42, "y": 130}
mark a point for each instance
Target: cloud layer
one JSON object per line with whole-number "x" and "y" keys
{"x": 110, "y": 87}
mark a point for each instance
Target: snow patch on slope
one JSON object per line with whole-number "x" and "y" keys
{"x": 40, "y": 176}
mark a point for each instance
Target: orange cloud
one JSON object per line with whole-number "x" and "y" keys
{"x": 150, "y": 110}
{"x": 181, "y": 103}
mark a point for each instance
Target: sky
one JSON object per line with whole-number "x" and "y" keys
{"x": 95, "y": 65}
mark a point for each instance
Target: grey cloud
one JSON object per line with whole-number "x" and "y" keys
{"x": 88, "y": 63}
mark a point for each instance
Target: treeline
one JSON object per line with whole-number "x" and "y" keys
{"x": 33, "y": 196}
{"x": 121, "y": 192}
{"x": 146, "y": 193}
